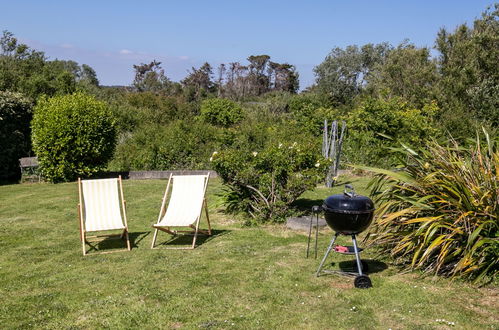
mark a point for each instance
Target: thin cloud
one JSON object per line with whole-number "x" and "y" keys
{"x": 66, "y": 46}
{"x": 116, "y": 67}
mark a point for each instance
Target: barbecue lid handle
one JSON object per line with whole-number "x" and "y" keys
{"x": 350, "y": 193}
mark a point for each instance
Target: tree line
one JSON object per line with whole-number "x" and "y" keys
{"x": 463, "y": 78}
{"x": 403, "y": 92}
{"x": 233, "y": 80}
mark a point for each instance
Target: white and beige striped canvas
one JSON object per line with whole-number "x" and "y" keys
{"x": 101, "y": 205}
{"x": 186, "y": 200}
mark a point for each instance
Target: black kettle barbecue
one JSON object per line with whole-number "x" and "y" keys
{"x": 348, "y": 214}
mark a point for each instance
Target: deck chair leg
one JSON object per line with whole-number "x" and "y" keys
{"x": 127, "y": 239}
{"x": 79, "y": 220}
{"x": 194, "y": 239}
{"x": 83, "y": 243}
{"x": 207, "y": 217}
{"x": 196, "y": 233}
{"x": 154, "y": 238}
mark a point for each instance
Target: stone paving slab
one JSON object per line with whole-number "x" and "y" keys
{"x": 303, "y": 223}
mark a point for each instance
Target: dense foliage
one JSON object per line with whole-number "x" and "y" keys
{"x": 15, "y": 116}
{"x": 182, "y": 144}
{"x": 463, "y": 78}
{"x": 73, "y": 135}
{"x": 28, "y": 71}
{"x": 221, "y": 112}
{"x": 378, "y": 124}
{"x": 440, "y": 212}
{"x": 468, "y": 88}
{"x": 345, "y": 72}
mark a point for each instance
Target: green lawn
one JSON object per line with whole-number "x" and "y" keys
{"x": 241, "y": 278}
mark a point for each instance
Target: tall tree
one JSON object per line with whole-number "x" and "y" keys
{"x": 408, "y": 72}
{"x": 260, "y": 76}
{"x": 258, "y": 80}
{"x": 343, "y": 73}
{"x": 88, "y": 75}
{"x": 150, "y": 77}
{"x": 200, "y": 80}
{"x": 283, "y": 77}
{"x": 28, "y": 71}
{"x": 469, "y": 87}
{"x": 221, "y": 73}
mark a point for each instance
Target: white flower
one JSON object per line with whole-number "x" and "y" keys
{"x": 280, "y": 145}
{"x": 211, "y": 159}
{"x": 214, "y": 153}
{"x": 254, "y": 153}
{"x": 317, "y": 164}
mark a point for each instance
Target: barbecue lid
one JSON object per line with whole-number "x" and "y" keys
{"x": 348, "y": 202}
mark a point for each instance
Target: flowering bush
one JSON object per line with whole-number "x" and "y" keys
{"x": 264, "y": 183}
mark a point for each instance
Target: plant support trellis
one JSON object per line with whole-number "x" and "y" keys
{"x": 331, "y": 148}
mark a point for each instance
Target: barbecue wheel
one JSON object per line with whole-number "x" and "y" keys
{"x": 362, "y": 282}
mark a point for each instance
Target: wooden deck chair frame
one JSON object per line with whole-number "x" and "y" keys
{"x": 98, "y": 238}
{"x": 194, "y": 227}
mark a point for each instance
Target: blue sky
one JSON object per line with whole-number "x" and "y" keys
{"x": 111, "y": 36}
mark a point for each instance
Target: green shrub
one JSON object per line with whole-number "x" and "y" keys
{"x": 73, "y": 135}
{"x": 440, "y": 212}
{"x": 379, "y": 124}
{"x": 264, "y": 183}
{"x": 127, "y": 117}
{"x": 310, "y": 111}
{"x": 15, "y": 116}
{"x": 221, "y": 112}
{"x": 153, "y": 108}
{"x": 182, "y": 144}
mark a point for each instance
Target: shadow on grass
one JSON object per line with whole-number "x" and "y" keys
{"x": 137, "y": 237}
{"x": 116, "y": 244}
{"x": 373, "y": 266}
{"x": 185, "y": 240}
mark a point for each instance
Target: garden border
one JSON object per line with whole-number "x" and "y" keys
{"x": 144, "y": 175}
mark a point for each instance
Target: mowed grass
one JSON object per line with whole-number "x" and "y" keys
{"x": 241, "y": 278}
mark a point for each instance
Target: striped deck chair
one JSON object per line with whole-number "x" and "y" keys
{"x": 185, "y": 206}
{"x": 102, "y": 208}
